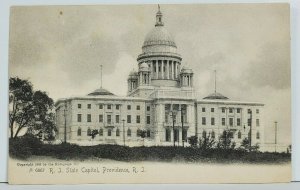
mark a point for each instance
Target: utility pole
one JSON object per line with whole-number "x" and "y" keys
{"x": 250, "y": 122}
{"x": 123, "y": 131}
{"x": 275, "y": 136}
{"x": 182, "y": 127}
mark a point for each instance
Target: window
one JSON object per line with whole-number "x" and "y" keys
{"x": 100, "y": 106}
{"x": 249, "y": 122}
{"x": 148, "y": 108}
{"x": 176, "y": 135}
{"x": 138, "y": 119}
{"x": 238, "y": 121}
{"x": 223, "y": 121}
{"x": 89, "y": 132}
{"x": 213, "y": 135}
{"x": 239, "y": 135}
{"x": 89, "y": 106}
{"x": 212, "y": 109}
{"x": 203, "y": 109}
{"x": 128, "y": 118}
{"x": 101, "y": 118}
{"x": 212, "y": 121}
{"x": 249, "y": 111}
{"x": 79, "y": 132}
{"x": 117, "y": 107}
{"x": 230, "y": 110}
{"x": 78, "y": 117}
{"x": 109, "y": 106}
{"x": 238, "y": 110}
{"x": 79, "y": 106}
{"x": 138, "y": 107}
{"x": 89, "y": 118}
{"x": 129, "y": 133}
{"x": 231, "y": 121}
{"x": 257, "y": 122}
{"x": 148, "y": 133}
{"x": 117, "y": 118}
{"x": 184, "y": 135}
{"x": 257, "y": 111}
{"x": 108, "y": 119}
{"x": 223, "y": 110}
{"x": 203, "y": 121}
{"x": 101, "y": 132}
{"x": 109, "y": 132}
{"x": 257, "y": 135}
{"x": 204, "y": 134}
{"x": 168, "y": 135}
{"x": 117, "y": 132}
{"x": 148, "y": 119}
{"x": 158, "y": 68}
{"x": 129, "y": 107}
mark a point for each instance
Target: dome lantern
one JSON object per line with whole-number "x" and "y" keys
{"x": 159, "y": 18}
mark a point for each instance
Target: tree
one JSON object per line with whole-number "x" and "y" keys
{"x": 30, "y": 109}
{"x": 193, "y": 141}
{"x": 142, "y": 133}
{"x": 206, "y": 142}
{"x": 245, "y": 145}
{"x": 225, "y": 141}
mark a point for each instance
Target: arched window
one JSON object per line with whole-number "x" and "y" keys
{"x": 79, "y": 131}
{"x": 89, "y": 132}
{"x": 109, "y": 132}
{"x": 118, "y": 132}
{"x": 204, "y": 134}
{"x": 213, "y": 134}
{"x": 257, "y": 135}
{"x": 101, "y": 132}
{"x": 129, "y": 133}
{"x": 239, "y": 135}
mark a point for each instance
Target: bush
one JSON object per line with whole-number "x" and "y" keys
{"x": 25, "y": 146}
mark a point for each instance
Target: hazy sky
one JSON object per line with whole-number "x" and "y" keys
{"x": 60, "y": 50}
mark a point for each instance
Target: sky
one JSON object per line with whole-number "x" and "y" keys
{"x": 60, "y": 50}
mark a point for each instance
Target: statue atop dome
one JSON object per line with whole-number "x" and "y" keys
{"x": 159, "y": 18}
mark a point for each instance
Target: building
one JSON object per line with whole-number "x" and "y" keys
{"x": 161, "y": 103}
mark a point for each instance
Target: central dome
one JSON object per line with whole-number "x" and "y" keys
{"x": 159, "y": 36}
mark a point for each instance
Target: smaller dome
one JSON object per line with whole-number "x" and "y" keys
{"x": 144, "y": 65}
{"x": 186, "y": 70}
{"x": 100, "y": 92}
{"x": 216, "y": 96}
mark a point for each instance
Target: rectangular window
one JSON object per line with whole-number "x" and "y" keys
{"x": 223, "y": 121}
{"x": 230, "y": 110}
{"x": 108, "y": 119}
{"x": 249, "y": 122}
{"x": 128, "y": 118}
{"x": 100, "y": 106}
{"x": 203, "y": 109}
{"x": 168, "y": 135}
{"x": 257, "y": 111}
{"x": 101, "y": 118}
{"x": 89, "y": 118}
{"x": 138, "y": 119}
{"x": 108, "y": 106}
{"x": 89, "y": 106}
{"x": 78, "y": 117}
{"x": 249, "y": 111}
{"x": 257, "y": 122}
{"x": 109, "y": 132}
{"x": 117, "y": 118}
{"x": 148, "y": 108}
{"x": 117, "y": 107}
{"x": 148, "y": 119}
{"x": 129, "y": 107}
{"x": 231, "y": 121}
{"x": 79, "y": 106}
{"x": 212, "y": 121}
{"x": 238, "y": 121}
{"x": 223, "y": 110}
{"x": 203, "y": 121}
{"x": 212, "y": 109}
{"x": 138, "y": 107}
{"x": 238, "y": 110}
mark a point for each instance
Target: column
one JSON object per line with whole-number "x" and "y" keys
{"x": 162, "y": 69}
{"x": 168, "y": 70}
{"x": 172, "y": 75}
{"x": 175, "y": 65}
{"x": 140, "y": 78}
{"x": 156, "y": 69}
{"x": 191, "y": 80}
